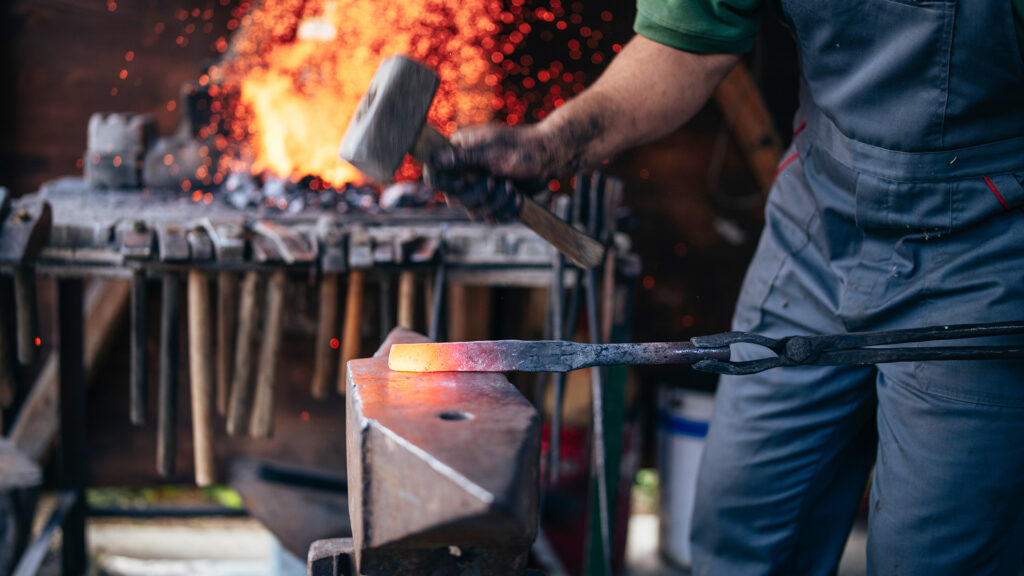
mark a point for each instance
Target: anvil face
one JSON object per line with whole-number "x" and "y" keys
{"x": 440, "y": 459}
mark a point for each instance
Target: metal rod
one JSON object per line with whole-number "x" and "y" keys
{"x": 165, "y": 512}
{"x": 546, "y": 555}
{"x": 541, "y": 390}
{"x": 597, "y": 381}
{"x": 27, "y": 315}
{"x": 138, "y": 387}
{"x": 71, "y": 377}
{"x": 227, "y": 315}
{"x": 437, "y": 307}
{"x": 167, "y": 417}
{"x": 262, "y": 423}
{"x": 32, "y": 560}
{"x": 568, "y": 327}
{"x": 597, "y": 391}
{"x": 387, "y": 314}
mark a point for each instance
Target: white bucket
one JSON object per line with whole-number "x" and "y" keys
{"x": 683, "y": 417}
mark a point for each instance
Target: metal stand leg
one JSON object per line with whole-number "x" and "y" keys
{"x": 70, "y": 333}
{"x": 387, "y": 314}
{"x": 435, "y": 332}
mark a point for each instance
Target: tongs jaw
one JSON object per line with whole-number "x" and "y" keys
{"x": 860, "y": 347}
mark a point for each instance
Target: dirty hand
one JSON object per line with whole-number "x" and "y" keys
{"x": 487, "y": 164}
{"x": 521, "y": 153}
{"x": 484, "y": 196}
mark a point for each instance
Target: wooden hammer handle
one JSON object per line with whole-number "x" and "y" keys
{"x": 406, "y": 299}
{"x": 201, "y": 375}
{"x": 353, "y": 319}
{"x": 326, "y": 328}
{"x": 583, "y": 250}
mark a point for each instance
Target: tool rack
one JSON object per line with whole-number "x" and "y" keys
{"x": 79, "y": 233}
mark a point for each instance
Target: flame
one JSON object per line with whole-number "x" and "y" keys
{"x": 298, "y": 69}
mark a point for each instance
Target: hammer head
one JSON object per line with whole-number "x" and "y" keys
{"x": 389, "y": 118}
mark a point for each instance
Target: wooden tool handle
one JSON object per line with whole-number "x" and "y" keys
{"x": 25, "y": 302}
{"x": 138, "y": 389}
{"x": 406, "y": 299}
{"x": 241, "y": 381}
{"x": 353, "y": 317}
{"x": 167, "y": 418}
{"x": 227, "y": 314}
{"x": 262, "y": 423}
{"x": 740, "y": 101}
{"x": 326, "y": 328}
{"x": 200, "y": 360}
{"x": 583, "y": 250}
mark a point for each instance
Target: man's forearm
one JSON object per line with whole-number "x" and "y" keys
{"x": 648, "y": 91}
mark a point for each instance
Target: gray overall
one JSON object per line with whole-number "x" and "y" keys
{"x": 899, "y": 205}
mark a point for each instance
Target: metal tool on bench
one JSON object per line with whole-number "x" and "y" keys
{"x": 707, "y": 353}
{"x": 391, "y": 122}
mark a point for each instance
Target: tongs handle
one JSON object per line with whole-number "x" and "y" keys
{"x": 838, "y": 349}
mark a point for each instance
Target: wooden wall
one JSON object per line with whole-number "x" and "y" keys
{"x": 62, "y": 61}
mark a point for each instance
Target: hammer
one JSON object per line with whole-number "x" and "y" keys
{"x": 391, "y": 121}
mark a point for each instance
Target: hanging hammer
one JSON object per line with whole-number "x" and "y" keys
{"x": 391, "y": 121}
{"x": 25, "y": 230}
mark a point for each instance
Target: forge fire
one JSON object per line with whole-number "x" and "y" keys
{"x": 289, "y": 74}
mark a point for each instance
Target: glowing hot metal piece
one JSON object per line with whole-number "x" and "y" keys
{"x": 541, "y": 356}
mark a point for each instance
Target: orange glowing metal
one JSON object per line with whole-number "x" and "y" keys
{"x": 428, "y": 358}
{"x": 542, "y": 355}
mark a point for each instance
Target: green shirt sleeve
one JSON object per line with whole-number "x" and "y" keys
{"x": 705, "y": 26}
